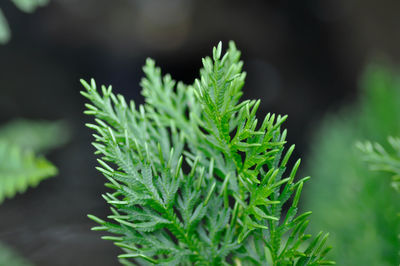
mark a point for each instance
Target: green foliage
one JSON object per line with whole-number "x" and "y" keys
{"x": 194, "y": 177}
{"x": 380, "y": 159}
{"x": 27, "y": 6}
{"x": 19, "y": 166}
{"x": 30, "y": 6}
{"x": 10, "y": 257}
{"x": 5, "y": 34}
{"x": 38, "y": 136}
{"x": 362, "y": 206}
{"x": 20, "y": 169}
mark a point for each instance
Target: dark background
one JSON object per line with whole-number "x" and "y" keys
{"x": 303, "y": 58}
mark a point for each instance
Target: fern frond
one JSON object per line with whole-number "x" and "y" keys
{"x": 195, "y": 176}
{"x": 379, "y": 159}
{"x": 20, "y": 169}
{"x": 20, "y": 141}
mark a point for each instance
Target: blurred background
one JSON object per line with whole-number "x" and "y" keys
{"x": 303, "y": 58}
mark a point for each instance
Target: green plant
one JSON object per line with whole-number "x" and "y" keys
{"x": 27, "y": 6}
{"x": 20, "y": 142}
{"x": 380, "y": 159}
{"x": 21, "y": 167}
{"x": 10, "y": 257}
{"x": 194, "y": 177}
{"x": 362, "y": 206}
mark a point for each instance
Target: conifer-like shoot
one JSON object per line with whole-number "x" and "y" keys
{"x": 195, "y": 178}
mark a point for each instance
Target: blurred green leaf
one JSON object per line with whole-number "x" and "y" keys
{"x": 29, "y": 6}
{"x": 380, "y": 159}
{"x": 5, "y": 33}
{"x": 11, "y": 258}
{"x": 20, "y": 140}
{"x": 38, "y": 136}
{"x": 20, "y": 169}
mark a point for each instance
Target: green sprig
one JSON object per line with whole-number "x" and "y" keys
{"x": 195, "y": 177}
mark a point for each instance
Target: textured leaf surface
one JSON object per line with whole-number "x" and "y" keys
{"x": 195, "y": 178}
